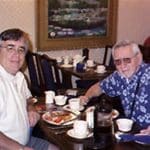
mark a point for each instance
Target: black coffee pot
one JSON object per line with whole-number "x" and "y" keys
{"x": 103, "y": 122}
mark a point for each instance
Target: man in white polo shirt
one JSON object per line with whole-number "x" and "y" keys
{"x": 16, "y": 116}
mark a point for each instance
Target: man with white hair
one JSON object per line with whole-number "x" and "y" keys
{"x": 130, "y": 81}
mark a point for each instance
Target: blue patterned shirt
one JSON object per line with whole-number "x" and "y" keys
{"x": 117, "y": 85}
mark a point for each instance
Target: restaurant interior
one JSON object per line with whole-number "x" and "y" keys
{"x": 43, "y": 68}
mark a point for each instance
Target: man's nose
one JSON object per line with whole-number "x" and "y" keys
{"x": 123, "y": 64}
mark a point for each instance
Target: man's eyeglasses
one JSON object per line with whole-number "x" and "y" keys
{"x": 118, "y": 62}
{"x": 11, "y": 49}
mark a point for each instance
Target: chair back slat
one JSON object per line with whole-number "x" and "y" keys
{"x": 108, "y": 59}
{"x": 145, "y": 50}
{"x": 36, "y": 82}
{"x": 47, "y": 74}
{"x": 55, "y": 70}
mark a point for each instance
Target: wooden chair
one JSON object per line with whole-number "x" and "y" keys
{"x": 61, "y": 82}
{"x": 59, "y": 77}
{"x": 85, "y": 84}
{"x": 36, "y": 82}
{"x": 147, "y": 42}
{"x": 85, "y": 52}
{"x": 50, "y": 73}
{"x": 108, "y": 59}
{"x": 146, "y": 52}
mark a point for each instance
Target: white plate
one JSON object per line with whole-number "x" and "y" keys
{"x": 67, "y": 65}
{"x": 117, "y": 135}
{"x": 67, "y": 107}
{"x": 100, "y": 72}
{"x": 55, "y": 119}
{"x": 91, "y": 66}
{"x": 71, "y": 134}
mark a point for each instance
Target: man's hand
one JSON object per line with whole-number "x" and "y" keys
{"x": 93, "y": 91}
{"x": 33, "y": 118}
{"x": 145, "y": 131}
{"x": 84, "y": 100}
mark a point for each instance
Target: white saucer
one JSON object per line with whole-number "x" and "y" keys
{"x": 91, "y": 66}
{"x": 67, "y": 107}
{"x": 100, "y": 72}
{"x": 71, "y": 134}
{"x": 117, "y": 135}
{"x": 67, "y": 65}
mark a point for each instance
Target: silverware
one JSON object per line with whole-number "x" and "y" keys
{"x": 60, "y": 127}
{"x": 60, "y": 132}
{"x": 65, "y": 123}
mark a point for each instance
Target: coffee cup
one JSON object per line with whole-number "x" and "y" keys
{"x": 49, "y": 97}
{"x": 59, "y": 59}
{"x": 90, "y": 63}
{"x": 60, "y": 99}
{"x": 74, "y": 104}
{"x": 100, "y": 69}
{"x": 72, "y": 92}
{"x": 80, "y": 128}
{"x": 66, "y": 60}
{"x": 124, "y": 124}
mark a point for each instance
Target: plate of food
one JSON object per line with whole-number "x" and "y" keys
{"x": 59, "y": 117}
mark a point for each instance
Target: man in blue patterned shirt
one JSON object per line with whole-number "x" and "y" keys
{"x": 130, "y": 81}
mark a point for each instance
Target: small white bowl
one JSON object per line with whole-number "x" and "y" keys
{"x": 124, "y": 124}
{"x": 60, "y": 99}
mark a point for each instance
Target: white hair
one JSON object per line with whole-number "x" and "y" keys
{"x": 125, "y": 43}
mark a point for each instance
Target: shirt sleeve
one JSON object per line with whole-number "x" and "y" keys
{"x": 111, "y": 85}
{"x": 26, "y": 89}
{"x": 23, "y": 86}
{"x": 2, "y": 96}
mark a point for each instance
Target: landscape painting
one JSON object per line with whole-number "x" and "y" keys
{"x": 77, "y": 18}
{"x": 74, "y": 24}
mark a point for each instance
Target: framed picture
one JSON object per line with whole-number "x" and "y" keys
{"x": 75, "y": 24}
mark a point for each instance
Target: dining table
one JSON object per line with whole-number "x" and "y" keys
{"x": 89, "y": 73}
{"x": 58, "y": 134}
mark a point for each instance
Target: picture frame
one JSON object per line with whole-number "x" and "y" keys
{"x": 53, "y": 42}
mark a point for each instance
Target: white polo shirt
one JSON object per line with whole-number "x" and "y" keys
{"x": 13, "y": 114}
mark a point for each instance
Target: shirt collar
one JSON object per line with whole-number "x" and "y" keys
{"x": 7, "y": 75}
